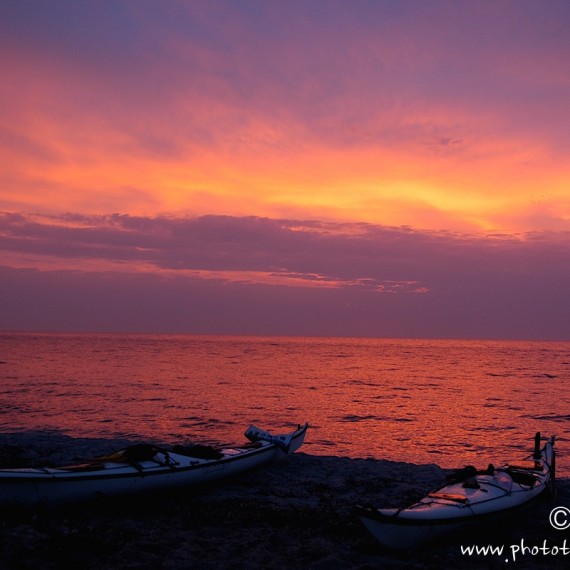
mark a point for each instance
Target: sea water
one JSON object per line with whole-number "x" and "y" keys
{"x": 422, "y": 401}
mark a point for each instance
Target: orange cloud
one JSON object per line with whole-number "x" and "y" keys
{"x": 395, "y": 131}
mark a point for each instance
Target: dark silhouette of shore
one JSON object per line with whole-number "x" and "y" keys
{"x": 297, "y": 513}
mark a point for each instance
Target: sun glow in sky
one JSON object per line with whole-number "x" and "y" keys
{"x": 448, "y": 120}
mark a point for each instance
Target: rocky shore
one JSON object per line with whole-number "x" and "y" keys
{"x": 294, "y": 514}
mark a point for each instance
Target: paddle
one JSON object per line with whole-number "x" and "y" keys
{"x": 253, "y": 433}
{"x": 537, "y": 456}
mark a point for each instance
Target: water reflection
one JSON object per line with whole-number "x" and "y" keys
{"x": 450, "y": 402}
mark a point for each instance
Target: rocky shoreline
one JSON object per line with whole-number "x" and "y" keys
{"x": 295, "y": 514}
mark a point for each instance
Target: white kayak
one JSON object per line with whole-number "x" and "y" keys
{"x": 471, "y": 497}
{"x": 142, "y": 468}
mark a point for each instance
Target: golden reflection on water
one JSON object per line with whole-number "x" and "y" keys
{"x": 446, "y": 402}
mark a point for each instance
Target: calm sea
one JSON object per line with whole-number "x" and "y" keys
{"x": 423, "y": 401}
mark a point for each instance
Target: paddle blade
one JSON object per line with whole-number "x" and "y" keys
{"x": 536, "y": 456}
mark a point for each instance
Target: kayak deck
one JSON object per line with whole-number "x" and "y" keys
{"x": 143, "y": 467}
{"x": 468, "y": 498}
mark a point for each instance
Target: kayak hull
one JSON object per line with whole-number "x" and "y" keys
{"x": 113, "y": 477}
{"x": 483, "y": 497}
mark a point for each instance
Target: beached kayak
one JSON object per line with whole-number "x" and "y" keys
{"x": 144, "y": 467}
{"x": 470, "y": 497}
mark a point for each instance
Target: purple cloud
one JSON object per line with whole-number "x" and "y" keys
{"x": 283, "y": 277}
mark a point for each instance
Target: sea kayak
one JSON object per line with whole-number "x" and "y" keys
{"x": 144, "y": 467}
{"x": 470, "y": 497}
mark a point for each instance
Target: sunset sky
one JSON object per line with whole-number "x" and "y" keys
{"x": 370, "y": 168}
